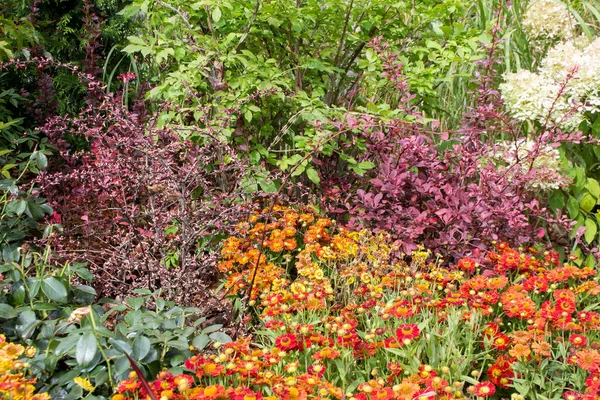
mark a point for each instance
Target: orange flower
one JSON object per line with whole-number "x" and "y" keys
{"x": 520, "y": 351}
{"x": 406, "y": 389}
{"x": 588, "y": 360}
{"x": 542, "y": 349}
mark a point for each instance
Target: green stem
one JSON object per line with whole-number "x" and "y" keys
{"x": 110, "y": 377}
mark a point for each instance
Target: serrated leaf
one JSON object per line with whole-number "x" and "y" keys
{"x": 86, "y": 349}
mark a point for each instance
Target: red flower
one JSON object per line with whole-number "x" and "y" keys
{"x": 501, "y": 342}
{"x": 402, "y": 309}
{"x": 286, "y": 342}
{"x": 317, "y": 370}
{"x": 484, "y": 389}
{"x": 382, "y": 394}
{"x": 577, "y": 340}
{"x": 467, "y": 264}
{"x": 571, "y": 395}
{"x": 407, "y": 331}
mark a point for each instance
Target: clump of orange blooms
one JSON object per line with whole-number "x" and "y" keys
{"x": 343, "y": 315}
{"x": 13, "y": 384}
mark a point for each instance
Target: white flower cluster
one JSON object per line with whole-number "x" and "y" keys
{"x": 534, "y": 96}
{"x": 540, "y": 161}
{"x": 548, "y": 20}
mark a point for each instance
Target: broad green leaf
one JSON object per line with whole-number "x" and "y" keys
{"x": 86, "y": 349}
{"x": 587, "y": 202}
{"x": 313, "y": 175}
{"x": 135, "y": 302}
{"x": 67, "y": 344}
{"x": 211, "y": 328}
{"x": 366, "y": 165}
{"x": 572, "y": 207}
{"x": 593, "y": 187}
{"x": 120, "y": 345}
{"x": 7, "y": 312}
{"x": 200, "y": 342}
{"x": 54, "y": 289}
{"x": 141, "y": 347}
{"x": 220, "y": 337}
{"x": 20, "y": 206}
{"x": 216, "y": 16}
{"x": 590, "y": 230}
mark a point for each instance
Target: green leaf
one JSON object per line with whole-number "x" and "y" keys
{"x": 67, "y": 344}
{"x": 85, "y": 274}
{"x": 141, "y": 347}
{"x": 7, "y": 312}
{"x": 572, "y": 207}
{"x": 135, "y": 302}
{"x": 220, "y": 337}
{"x": 200, "y": 342}
{"x": 366, "y": 165}
{"x": 557, "y": 201}
{"x": 590, "y": 230}
{"x": 20, "y": 206}
{"x": 40, "y": 159}
{"x": 120, "y": 345}
{"x": 211, "y": 328}
{"x": 313, "y": 175}
{"x": 86, "y": 349}
{"x": 17, "y": 295}
{"x": 593, "y": 187}
{"x": 34, "y": 210}
{"x": 26, "y": 324}
{"x": 216, "y": 16}
{"x": 587, "y": 202}
{"x": 54, "y": 289}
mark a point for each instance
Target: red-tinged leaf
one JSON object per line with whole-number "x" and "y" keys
{"x": 142, "y": 378}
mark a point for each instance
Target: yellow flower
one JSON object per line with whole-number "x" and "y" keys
{"x": 84, "y": 384}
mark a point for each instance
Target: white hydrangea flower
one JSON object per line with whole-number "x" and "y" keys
{"x": 548, "y": 19}
{"x": 524, "y": 155}
{"x": 533, "y": 96}
{"x": 529, "y": 95}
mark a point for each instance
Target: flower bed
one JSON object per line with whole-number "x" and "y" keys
{"x": 339, "y": 314}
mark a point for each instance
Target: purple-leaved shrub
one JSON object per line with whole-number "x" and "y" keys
{"x": 449, "y": 194}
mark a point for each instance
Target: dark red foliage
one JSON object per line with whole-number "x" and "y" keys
{"x": 449, "y": 198}
{"x": 140, "y": 204}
